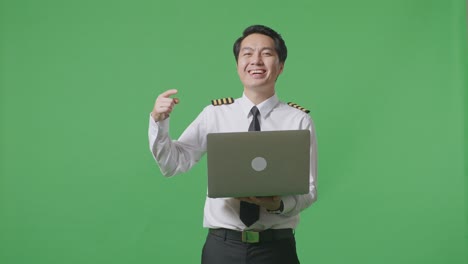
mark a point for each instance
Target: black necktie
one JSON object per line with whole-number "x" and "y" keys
{"x": 250, "y": 213}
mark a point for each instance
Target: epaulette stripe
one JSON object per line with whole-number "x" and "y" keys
{"x": 222, "y": 101}
{"x": 298, "y": 107}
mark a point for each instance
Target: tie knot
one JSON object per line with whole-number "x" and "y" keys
{"x": 254, "y": 111}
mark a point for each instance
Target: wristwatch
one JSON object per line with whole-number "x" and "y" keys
{"x": 279, "y": 210}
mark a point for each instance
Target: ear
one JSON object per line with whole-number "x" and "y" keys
{"x": 281, "y": 68}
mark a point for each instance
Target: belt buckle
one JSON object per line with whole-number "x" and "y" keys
{"x": 250, "y": 236}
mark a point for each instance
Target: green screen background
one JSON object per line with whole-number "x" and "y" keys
{"x": 385, "y": 82}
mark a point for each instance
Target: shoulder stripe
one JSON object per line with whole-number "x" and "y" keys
{"x": 298, "y": 107}
{"x": 222, "y": 101}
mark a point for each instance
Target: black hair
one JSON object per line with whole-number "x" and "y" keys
{"x": 280, "y": 46}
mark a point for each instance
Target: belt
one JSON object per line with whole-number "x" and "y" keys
{"x": 248, "y": 236}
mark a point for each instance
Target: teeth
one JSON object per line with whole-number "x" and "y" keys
{"x": 257, "y": 71}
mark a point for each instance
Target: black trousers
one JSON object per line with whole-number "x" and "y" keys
{"x": 221, "y": 250}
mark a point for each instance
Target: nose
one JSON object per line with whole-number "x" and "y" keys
{"x": 257, "y": 59}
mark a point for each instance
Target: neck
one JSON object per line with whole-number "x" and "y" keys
{"x": 258, "y": 97}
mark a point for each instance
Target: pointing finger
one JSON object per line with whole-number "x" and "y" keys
{"x": 168, "y": 93}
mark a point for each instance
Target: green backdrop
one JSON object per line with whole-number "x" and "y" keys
{"x": 385, "y": 82}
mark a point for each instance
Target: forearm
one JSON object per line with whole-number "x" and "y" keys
{"x": 294, "y": 204}
{"x": 172, "y": 157}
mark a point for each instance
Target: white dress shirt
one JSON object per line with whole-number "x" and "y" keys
{"x": 177, "y": 156}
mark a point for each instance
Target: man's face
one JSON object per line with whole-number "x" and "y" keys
{"x": 258, "y": 64}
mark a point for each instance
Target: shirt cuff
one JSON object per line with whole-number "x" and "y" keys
{"x": 289, "y": 203}
{"x": 160, "y": 126}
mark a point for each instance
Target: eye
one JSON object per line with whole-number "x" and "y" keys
{"x": 267, "y": 54}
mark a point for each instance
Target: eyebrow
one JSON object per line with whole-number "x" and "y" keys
{"x": 262, "y": 49}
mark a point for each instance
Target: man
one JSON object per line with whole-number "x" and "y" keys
{"x": 260, "y": 55}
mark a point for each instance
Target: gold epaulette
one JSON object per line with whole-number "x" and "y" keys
{"x": 298, "y": 107}
{"x": 222, "y": 101}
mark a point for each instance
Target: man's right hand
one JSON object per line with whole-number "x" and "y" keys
{"x": 164, "y": 105}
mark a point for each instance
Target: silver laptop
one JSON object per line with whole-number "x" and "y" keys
{"x": 258, "y": 163}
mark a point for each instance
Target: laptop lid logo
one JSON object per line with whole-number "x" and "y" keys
{"x": 259, "y": 164}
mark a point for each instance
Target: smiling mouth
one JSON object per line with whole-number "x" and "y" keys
{"x": 256, "y": 72}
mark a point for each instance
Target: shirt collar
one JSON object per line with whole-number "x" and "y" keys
{"x": 264, "y": 107}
